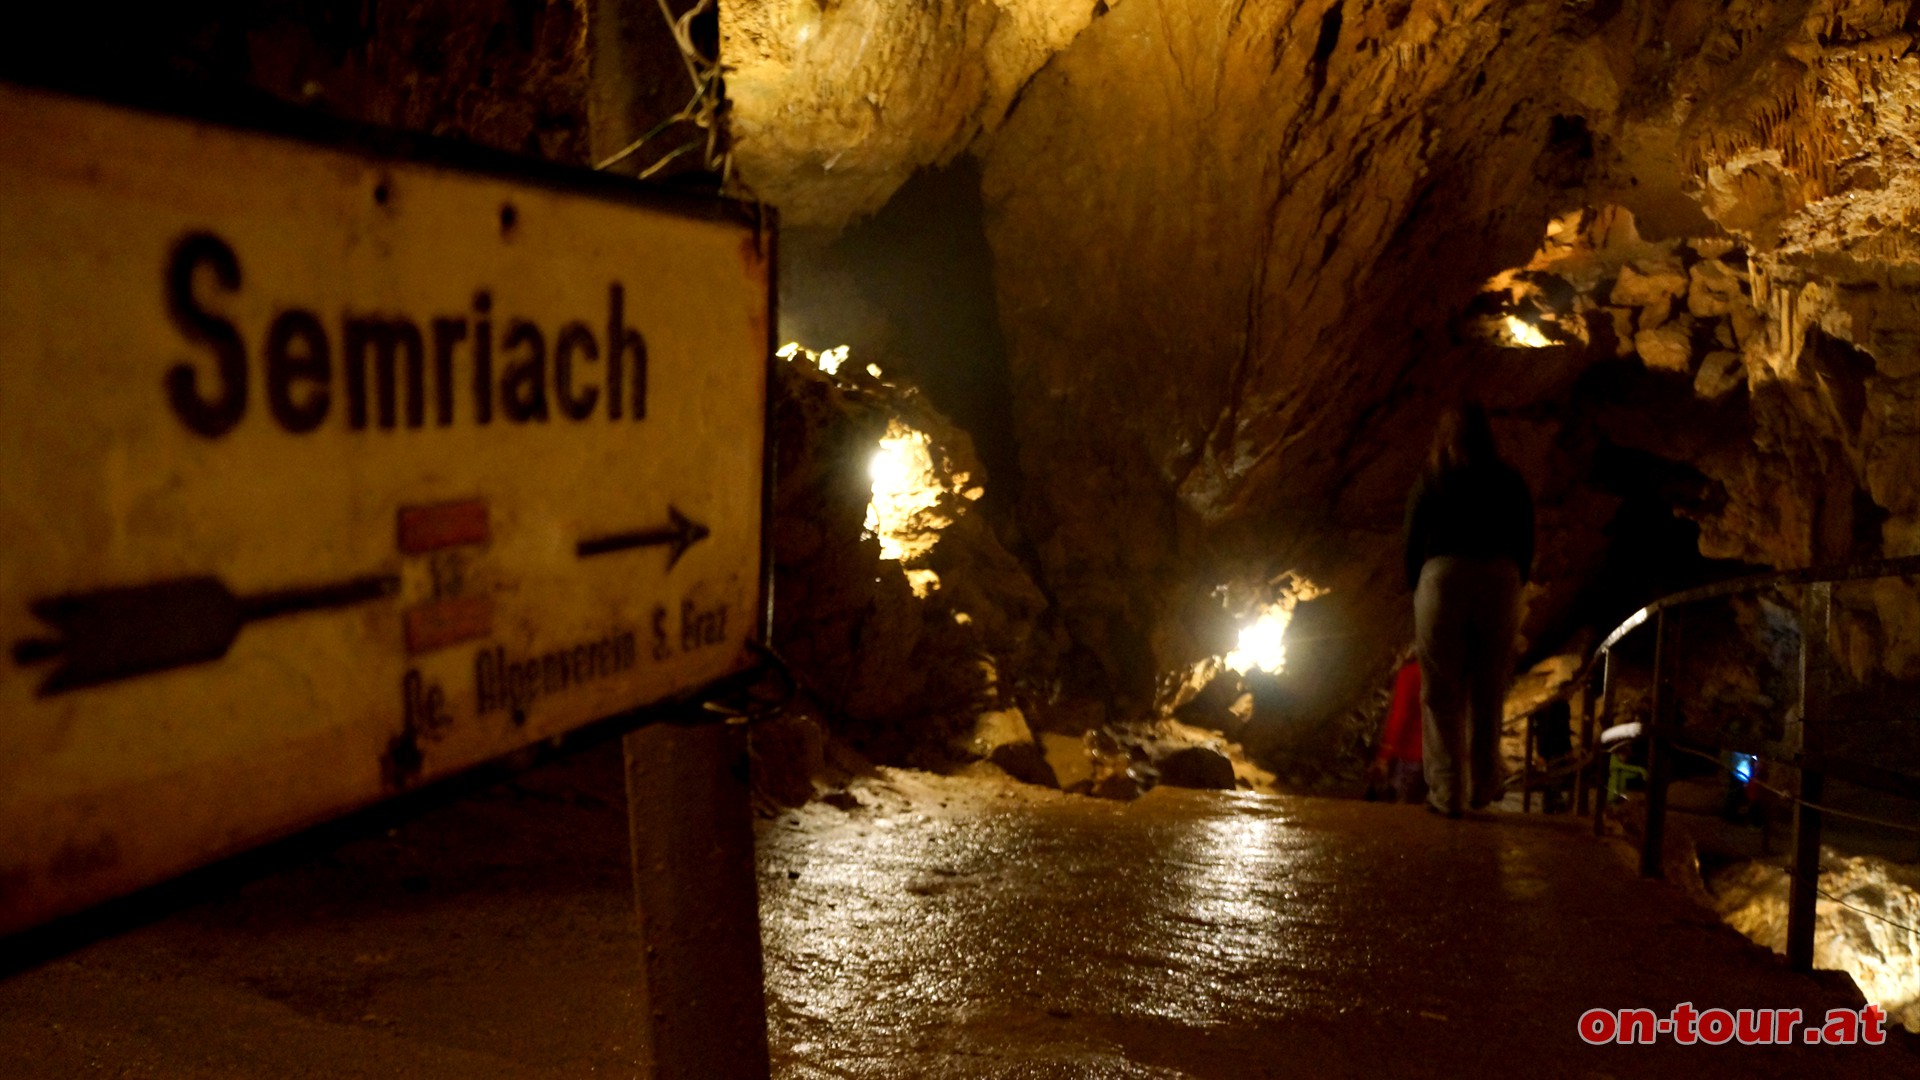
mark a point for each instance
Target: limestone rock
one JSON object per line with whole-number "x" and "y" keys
{"x": 1720, "y": 374}
{"x": 1001, "y": 736}
{"x": 1650, "y": 283}
{"x": 996, "y": 728}
{"x": 1121, "y": 784}
{"x": 1898, "y": 606}
{"x": 1665, "y": 349}
{"x": 1749, "y": 327}
{"x": 1196, "y": 767}
{"x": 1025, "y": 762}
{"x": 834, "y": 105}
{"x": 1901, "y": 535}
{"x": 787, "y": 752}
{"x": 1892, "y": 432}
{"x": 1067, "y": 756}
{"x": 1623, "y": 330}
{"x": 1217, "y": 707}
{"x": 1714, "y": 289}
{"x": 1655, "y": 314}
{"x": 1883, "y": 960}
{"x": 899, "y": 676}
{"x": 1589, "y": 79}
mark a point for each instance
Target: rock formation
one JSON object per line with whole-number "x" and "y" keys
{"x": 1244, "y": 254}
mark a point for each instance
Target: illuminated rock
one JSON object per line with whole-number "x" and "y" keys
{"x": 1666, "y": 348}
{"x": 1649, "y": 284}
{"x": 1713, "y": 289}
{"x": 1862, "y": 925}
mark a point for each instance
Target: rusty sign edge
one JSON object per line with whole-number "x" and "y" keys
{"x": 256, "y": 114}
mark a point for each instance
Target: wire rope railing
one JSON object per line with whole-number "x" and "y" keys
{"x": 1806, "y": 747}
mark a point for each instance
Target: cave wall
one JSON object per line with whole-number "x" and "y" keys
{"x": 1233, "y": 244}
{"x": 1258, "y": 221}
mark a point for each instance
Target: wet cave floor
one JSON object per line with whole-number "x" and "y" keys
{"x": 943, "y": 928}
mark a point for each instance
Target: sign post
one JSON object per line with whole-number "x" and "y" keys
{"x": 702, "y": 984}
{"x": 331, "y": 466}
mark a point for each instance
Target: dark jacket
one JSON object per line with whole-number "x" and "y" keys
{"x": 1475, "y": 512}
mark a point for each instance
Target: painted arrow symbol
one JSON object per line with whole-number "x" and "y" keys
{"x": 679, "y": 534}
{"x": 115, "y": 634}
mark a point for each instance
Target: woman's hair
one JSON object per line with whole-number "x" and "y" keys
{"x": 1463, "y": 438}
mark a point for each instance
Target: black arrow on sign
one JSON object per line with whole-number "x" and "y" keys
{"x": 115, "y": 634}
{"x": 681, "y": 532}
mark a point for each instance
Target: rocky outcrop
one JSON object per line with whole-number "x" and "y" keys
{"x": 1861, "y": 925}
{"x": 1197, "y": 767}
{"x": 835, "y": 105}
{"x": 904, "y": 677}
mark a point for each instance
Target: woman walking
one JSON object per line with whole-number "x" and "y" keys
{"x": 1469, "y": 549}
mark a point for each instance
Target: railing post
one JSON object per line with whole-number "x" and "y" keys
{"x": 1603, "y": 765}
{"x": 1658, "y": 758}
{"x": 1582, "y": 787}
{"x": 1815, "y": 688}
{"x": 1526, "y": 768}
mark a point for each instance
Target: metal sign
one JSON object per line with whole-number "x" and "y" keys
{"x": 324, "y": 473}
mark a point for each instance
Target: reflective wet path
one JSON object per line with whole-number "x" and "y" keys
{"x": 952, "y": 929}
{"x": 940, "y": 929}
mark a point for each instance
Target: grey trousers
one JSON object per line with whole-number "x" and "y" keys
{"x": 1466, "y": 613}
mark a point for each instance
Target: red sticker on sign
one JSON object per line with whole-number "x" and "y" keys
{"x": 445, "y": 525}
{"x": 441, "y": 623}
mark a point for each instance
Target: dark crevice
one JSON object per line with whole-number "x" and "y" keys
{"x": 1323, "y": 48}
{"x": 1652, "y": 549}
{"x": 911, "y": 289}
{"x": 1842, "y": 372}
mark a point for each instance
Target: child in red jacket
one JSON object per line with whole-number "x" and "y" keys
{"x": 1397, "y": 762}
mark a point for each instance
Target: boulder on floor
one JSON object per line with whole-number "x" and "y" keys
{"x": 1197, "y": 767}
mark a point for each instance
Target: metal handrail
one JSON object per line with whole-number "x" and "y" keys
{"x": 1877, "y": 568}
{"x": 1802, "y": 750}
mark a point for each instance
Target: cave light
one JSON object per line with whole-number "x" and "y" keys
{"x": 906, "y": 513}
{"x": 922, "y": 582}
{"x": 905, "y": 487}
{"x": 1525, "y": 334}
{"x": 827, "y": 360}
{"x": 1262, "y": 643}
